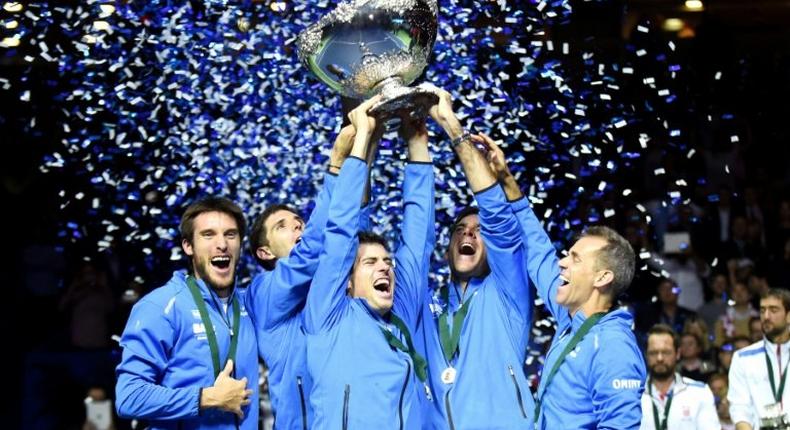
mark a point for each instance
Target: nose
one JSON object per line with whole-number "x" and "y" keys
{"x": 563, "y": 262}
{"x": 298, "y": 227}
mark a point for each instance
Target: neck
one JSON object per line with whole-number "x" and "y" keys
{"x": 596, "y": 303}
{"x": 670, "y": 308}
{"x": 222, "y": 292}
{"x": 663, "y": 384}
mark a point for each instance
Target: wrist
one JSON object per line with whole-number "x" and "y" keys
{"x": 207, "y": 398}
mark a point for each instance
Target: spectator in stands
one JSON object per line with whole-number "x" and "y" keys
{"x": 712, "y": 310}
{"x": 691, "y": 364}
{"x": 735, "y": 321}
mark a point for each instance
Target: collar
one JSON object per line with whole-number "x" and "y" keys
{"x": 677, "y": 386}
{"x": 455, "y": 291}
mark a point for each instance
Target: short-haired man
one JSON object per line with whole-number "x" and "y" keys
{"x": 189, "y": 354}
{"x": 360, "y": 313}
{"x": 476, "y": 327}
{"x": 758, "y": 393}
{"x": 594, "y": 372}
{"x": 672, "y": 401}
{"x": 288, "y": 250}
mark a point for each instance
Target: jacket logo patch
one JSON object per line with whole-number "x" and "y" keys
{"x": 626, "y": 384}
{"x": 198, "y": 328}
{"x": 195, "y": 313}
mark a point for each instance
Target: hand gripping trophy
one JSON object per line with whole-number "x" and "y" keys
{"x": 367, "y": 47}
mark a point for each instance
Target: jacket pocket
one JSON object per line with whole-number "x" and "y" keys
{"x": 518, "y": 390}
{"x": 346, "y": 395}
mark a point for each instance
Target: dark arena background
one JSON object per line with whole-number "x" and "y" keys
{"x": 662, "y": 118}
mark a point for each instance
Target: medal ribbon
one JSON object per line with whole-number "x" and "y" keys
{"x": 450, "y": 341}
{"x": 209, "y": 326}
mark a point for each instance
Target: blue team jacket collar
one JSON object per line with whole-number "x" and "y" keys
{"x": 471, "y": 288}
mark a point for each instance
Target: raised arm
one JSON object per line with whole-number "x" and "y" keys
{"x": 541, "y": 262}
{"x": 418, "y": 232}
{"x": 278, "y": 294}
{"x": 327, "y": 295}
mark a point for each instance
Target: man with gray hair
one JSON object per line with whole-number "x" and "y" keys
{"x": 594, "y": 372}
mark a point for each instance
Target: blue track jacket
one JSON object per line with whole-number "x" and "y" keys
{"x": 166, "y": 360}
{"x": 359, "y": 381}
{"x": 276, "y": 300}
{"x": 490, "y": 390}
{"x": 600, "y": 384}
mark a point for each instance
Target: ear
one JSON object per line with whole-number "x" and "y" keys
{"x": 603, "y": 278}
{"x": 264, "y": 253}
{"x": 350, "y": 288}
{"x": 187, "y": 247}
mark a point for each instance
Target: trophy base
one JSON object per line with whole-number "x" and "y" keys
{"x": 401, "y": 101}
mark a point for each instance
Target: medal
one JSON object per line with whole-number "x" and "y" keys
{"x": 448, "y": 375}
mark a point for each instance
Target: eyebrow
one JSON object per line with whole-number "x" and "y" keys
{"x": 575, "y": 255}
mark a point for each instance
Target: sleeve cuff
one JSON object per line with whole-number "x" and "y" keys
{"x": 520, "y": 204}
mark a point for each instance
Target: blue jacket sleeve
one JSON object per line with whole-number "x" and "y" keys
{"x": 541, "y": 260}
{"x": 502, "y": 237}
{"x": 146, "y": 342}
{"x": 327, "y": 296}
{"x": 418, "y": 236}
{"x": 617, "y": 381}
{"x": 276, "y": 295}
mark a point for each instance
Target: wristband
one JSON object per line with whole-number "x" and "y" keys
{"x": 465, "y": 136}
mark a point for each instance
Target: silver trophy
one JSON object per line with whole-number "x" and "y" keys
{"x": 368, "y": 47}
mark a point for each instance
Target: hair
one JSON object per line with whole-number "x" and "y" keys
{"x": 617, "y": 255}
{"x": 210, "y": 204}
{"x": 665, "y": 329}
{"x": 368, "y": 237}
{"x": 258, "y": 234}
{"x": 465, "y": 212}
{"x": 778, "y": 293}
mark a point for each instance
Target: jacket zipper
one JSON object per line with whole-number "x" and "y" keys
{"x": 301, "y": 402}
{"x": 449, "y": 410}
{"x": 346, "y": 395}
{"x": 518, "y": 391}
{"x": 402, "y": 392}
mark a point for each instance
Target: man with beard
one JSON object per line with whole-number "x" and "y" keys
{"x": 758, "y": 372}
{"x": 672, "y": 401}
{"x": 594, "y": 372}
{"x": 189, "y": 356}
{"x": 366, "y": 371}
{"x": 475, "y": 328}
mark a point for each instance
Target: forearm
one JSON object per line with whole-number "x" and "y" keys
{"x": 140, "y": 399}
{"x": 512, "y": 190}
{"x": 476, "y": 169}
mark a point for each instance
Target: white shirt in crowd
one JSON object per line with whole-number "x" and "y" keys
{"x": 692, "y": 407}
{"x": 750, "y": 393}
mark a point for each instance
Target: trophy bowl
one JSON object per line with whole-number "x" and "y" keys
{"x": 368, "y": 47}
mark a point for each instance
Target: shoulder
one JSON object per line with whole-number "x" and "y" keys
{"x": 694, "y": 384}
{"x": 751, "y": 350}
{"x": 165, "y": 298}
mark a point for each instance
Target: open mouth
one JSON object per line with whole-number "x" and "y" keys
{"x": 466, "y": 248}
{"x": 564, "y": 281}
{"x": 221, "y": 261}
{"x": 382, "y": 285}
